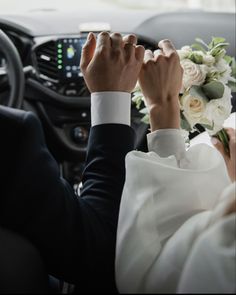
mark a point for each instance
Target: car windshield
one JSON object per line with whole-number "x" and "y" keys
{"x": 16, "y": 6}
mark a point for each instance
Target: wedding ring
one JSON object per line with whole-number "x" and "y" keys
{"x": 128, "y": 43}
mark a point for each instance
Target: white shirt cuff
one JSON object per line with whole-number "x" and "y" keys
{"x": 167, "y": 142}
{"x": 110, "y": 107}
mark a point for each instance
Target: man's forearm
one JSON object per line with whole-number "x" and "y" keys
{"x": 111, "y": 138}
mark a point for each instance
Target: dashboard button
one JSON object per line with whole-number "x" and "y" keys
{"x": 80, "y": 135}
{"x": 71, "y": 92}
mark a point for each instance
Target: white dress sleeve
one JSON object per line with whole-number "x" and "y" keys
{"x": 211, "y": 265}
{"x": 167, "y": 142}
{"x": 158, "y": 198}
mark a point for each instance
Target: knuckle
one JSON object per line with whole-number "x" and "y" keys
{"x": 102, "y": 49}
{"x": 164, "y": 41}
{"x": 140, "y": 50}
{"x": 132, "y": 37}
{"x": 140, "y": 47}
{"x": 150, "y": 63}
{"x": 104, "y": 34}
{"x": 174, "y": 56}
{"x": 116, "y": 35}
{"x": 85, "y": 45}
{"x": 161, "y": 58}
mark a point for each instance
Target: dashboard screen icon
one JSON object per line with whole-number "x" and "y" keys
{"x": 71, "y": 52}
{"x": 68, "y": 57}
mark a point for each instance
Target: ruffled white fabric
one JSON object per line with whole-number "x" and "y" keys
{"x": 171, "y": 221}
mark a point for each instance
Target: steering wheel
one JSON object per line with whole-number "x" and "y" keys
{"x": 14, "y": 71}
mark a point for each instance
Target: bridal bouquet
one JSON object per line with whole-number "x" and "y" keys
{"x": 205, "y": 97}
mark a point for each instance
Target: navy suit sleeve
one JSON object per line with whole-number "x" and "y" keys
{"x": 75, "y": 236}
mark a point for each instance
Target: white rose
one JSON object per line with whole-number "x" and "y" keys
{"x": 194, "y": 74}
{"x": 208, "y": 60}
{"x": 218, "y": 110}
{"x": 184, "y": 52}
{"x": 193, "y": 109}
{"x": 223, "y": 67}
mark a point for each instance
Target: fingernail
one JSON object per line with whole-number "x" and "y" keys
{"x": 214, "y": 140}
{"x": 90, "y": 36}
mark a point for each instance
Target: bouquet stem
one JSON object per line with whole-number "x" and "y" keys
{"x": 223, "y": 137}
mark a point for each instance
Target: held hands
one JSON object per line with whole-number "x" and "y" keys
{"x": 111, "y": 63}
{"x": 160, "y": 80}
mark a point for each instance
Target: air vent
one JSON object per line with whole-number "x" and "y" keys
{"x": 46, "y": 56}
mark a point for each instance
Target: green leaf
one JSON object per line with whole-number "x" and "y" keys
{"x": 198, "y": 47}
{"x": 145, "y": 119}
{"x": 232, "y": 86}
{"x": 139, "y": 103}
{"x": 218, "y": 52}
{"x": 233, "y": 67}
{"x": 222, "y": 45}
{"x": 228, "y": 59}
{"x": 219, "y": 49}
{"x": 215, "y": 41}
{"x": 206, "y": 126}
{"x": 197, "y": 91}
{"x": 199, "y": 40}
{"x": 212, "y": 76}
{"x": 137, "y": 99}
{"x": 224, "y": 138}
{"x": 144, "y": 111}
{"x": 185, "y": 124}
{"x": 213, "y": 90}
{"x": 196, "y": 58}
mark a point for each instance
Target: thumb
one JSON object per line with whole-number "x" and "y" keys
{"x": 88, "y": 51}
{"x": 219, "y": 146}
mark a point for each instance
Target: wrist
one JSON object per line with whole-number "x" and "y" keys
{"x": 165, "y": 116}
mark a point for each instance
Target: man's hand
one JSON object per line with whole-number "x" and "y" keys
{"x": 111, "y": 63}
{"x": 230, "y": 160}
{"x": 161, "y": 79}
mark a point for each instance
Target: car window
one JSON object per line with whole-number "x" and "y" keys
{"x": 11, "y": 6}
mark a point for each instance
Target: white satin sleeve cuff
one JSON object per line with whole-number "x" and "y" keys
{"x": 167, "y": 142}
{"x": 110, "y": 107}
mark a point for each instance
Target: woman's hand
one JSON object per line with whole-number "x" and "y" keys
{"x": 231, "y": 209}
{"x": 160, "y": 80}
{"x": 230, "y": 159}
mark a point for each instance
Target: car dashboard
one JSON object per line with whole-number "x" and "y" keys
{"x": 55, "y": 89}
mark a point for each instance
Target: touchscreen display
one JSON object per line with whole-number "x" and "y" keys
{"x": 68, "y": 57}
